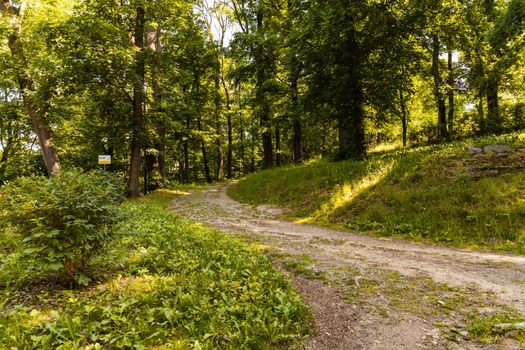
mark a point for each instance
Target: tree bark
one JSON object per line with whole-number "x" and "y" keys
{"x": 155, "y": 44}
{"x": 229, "y": 151}
{"x": 7, "y": 148}
{"x": 138, "y": 104}
{"x": 450, "y": 92}
{"x": 297, "y": 127}
{"x": 277, "y": 145}
{"x": 481, "y": 113}
{"x": 218, "y": 128}
{"x": 263, "y": 108}
{"x": 440, "y": 100}
{"x": 493, "y": 116}
{"x": 351, "y": 115}
{"x": 242, "y": 150}
{"x": 404, "y": 119}
{"x": 207, "y": 172}
{"x": 186, "y": 162}
{"x": 42, "y": 130}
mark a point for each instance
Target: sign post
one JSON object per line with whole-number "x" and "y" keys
{"x": 104, "y": 160}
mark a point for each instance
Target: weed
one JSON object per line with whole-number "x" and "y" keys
{"x": 491, "y": 328}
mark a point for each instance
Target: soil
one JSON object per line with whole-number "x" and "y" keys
{"x": 483, "y": 165}
{"x": 373, "y": 293}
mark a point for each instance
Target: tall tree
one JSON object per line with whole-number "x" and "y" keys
{"x": 16, "y": 13}
{"x": 137, "y": 134}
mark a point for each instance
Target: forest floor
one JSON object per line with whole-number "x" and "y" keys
{"x": 378, "y": 293}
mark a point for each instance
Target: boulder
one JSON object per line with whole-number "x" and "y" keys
{"x": 497, "y": 149}
{"x": 474, "y": 150}
{"x": 272, "y": 210}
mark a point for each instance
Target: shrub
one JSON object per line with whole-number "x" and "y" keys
{"x": 64, "y": 220}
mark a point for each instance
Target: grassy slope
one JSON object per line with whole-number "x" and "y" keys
{"x": 438, "y": 194}
{"x": 167, "y": 284}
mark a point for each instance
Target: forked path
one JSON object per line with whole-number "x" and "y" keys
{"x": 340, "y": 322}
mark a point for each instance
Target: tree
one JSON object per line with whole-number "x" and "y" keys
{"x": 36, "y": 110}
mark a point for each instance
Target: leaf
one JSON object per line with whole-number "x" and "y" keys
{"x": 82, "y": 279}
{"x": 32, "y": 250}
{"x": 55, "y": 266}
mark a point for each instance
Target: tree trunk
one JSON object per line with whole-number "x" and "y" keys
{"x": 277, "y": 145}
{"x": 440, "y": 100}
{"x": 450, "y": 91}
{"x": 493, "y": 117}
{"x": 229, "y": 151}
{"x": 404, "y": 119}
{"x": 351, "y": 115}
{"x": 263, "y": 109}
{"x": 138, "y": 105}
{"x": 42, "y": 130}
{"x": 252, "y": 157}
{"x": 7, "y": 148}
{"x": 186, "y": 172}
{"x": 218, "y": 128}
{"x": 481, "y": 114}
{"x": 207, "y": 172}
{"x": 242, "y": 148}
{"x": 155, "y": 44}
{"x": 297, "y": 127}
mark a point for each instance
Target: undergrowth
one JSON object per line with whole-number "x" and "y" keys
{"x": 434, "y": 194}
{"x": 167, "y": 284}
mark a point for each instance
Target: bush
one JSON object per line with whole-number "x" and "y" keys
{"x": 65, "y": 220}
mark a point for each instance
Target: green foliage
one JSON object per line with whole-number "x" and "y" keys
{"x": 170, "y": 284}
{"x": 65, "y": 220}
{"x": 490, "y": 329}
{"x": 435, "y": 194}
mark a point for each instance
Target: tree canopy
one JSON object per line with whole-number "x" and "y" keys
{"x": 199, "y": 90}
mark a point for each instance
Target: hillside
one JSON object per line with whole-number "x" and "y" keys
{"x": 438, "y": 194}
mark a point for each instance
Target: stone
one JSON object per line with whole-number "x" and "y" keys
{"x": 497, "y": 149}
{"x": 520, "y": 325}
{"x": 271, "y": 210}
{"x": 474, "y": 150}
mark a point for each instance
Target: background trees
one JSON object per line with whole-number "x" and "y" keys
{"x": 201, "y": 90}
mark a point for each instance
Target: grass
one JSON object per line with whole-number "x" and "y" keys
{"x": 435, "y": 194}
{"x": 167, "y": 284}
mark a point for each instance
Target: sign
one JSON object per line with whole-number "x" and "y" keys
{"x": 104, "y": 160}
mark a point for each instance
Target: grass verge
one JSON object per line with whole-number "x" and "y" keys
{"x": 433, "y": 194}
{"x": 168, "y": 284}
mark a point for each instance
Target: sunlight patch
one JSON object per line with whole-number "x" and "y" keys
{"x": 346, "y": 193}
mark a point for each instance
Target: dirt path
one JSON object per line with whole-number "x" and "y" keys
{"x": 372, "y": 293}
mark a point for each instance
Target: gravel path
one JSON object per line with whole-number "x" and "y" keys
{"x": 355, "y": 323}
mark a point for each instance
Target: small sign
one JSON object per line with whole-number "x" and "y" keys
{"x": 104, "y": 160}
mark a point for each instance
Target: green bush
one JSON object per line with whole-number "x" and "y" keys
{"x": 63, "y": 220}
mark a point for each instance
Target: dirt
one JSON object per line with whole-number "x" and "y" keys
{"x": 483, "y": 165}
{"x": 373, "y": 293}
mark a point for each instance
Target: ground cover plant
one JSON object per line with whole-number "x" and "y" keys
{"x": 435, "y": 193}
{"x": 64, "y": 220}
{"x": 166, "y": 284}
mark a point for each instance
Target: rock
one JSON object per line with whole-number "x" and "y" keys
{"x": 271, "y": 210}
{"x": 520, "y": 325}
{"x": 464, "y": 334}
{"x": 497, "y": 149}
{"x": 474, "y": 150}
